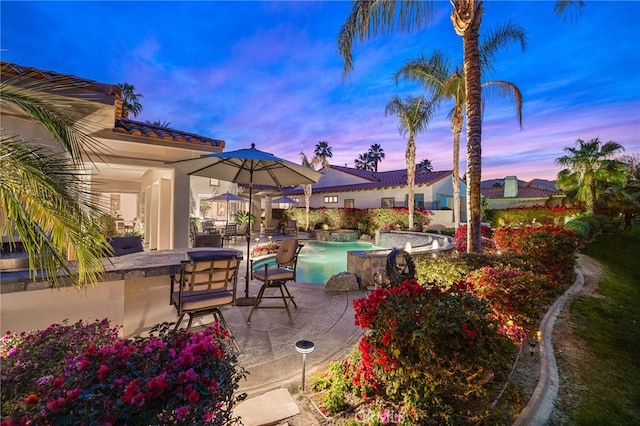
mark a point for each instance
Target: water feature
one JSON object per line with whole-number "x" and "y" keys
{"x": 319, "y": 260}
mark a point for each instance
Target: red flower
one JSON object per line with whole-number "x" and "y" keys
{"x": 31, "y": 399}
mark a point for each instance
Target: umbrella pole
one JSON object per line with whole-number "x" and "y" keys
{"x": 246, "y": 300}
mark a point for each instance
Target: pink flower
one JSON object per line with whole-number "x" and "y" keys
{"x": 182, "y": 412}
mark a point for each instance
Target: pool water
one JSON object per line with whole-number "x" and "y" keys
{"x": 319, "y": 260}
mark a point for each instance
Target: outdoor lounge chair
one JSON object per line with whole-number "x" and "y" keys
{"x": 231, "y": 230}
{"x": 292, "y": 227}
{"x": 277, "y": 277}
{"x": 208, "y": 240}
{"x": 207, "y": 282}
{"x": 273, "y": 228}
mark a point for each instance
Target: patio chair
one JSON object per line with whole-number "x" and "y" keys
{"x": 292, "y": 227}
{"x": 208, "y": 240}
{"x": 273, "y": 227}
{"x": 207, "y": 282}
{"x": 277, "y": 277}
{"x": 231, "y": 230}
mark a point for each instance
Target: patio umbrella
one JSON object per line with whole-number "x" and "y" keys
{"x": 247, "y": 166}
{"x": 227, "y": 197}
{"x": 284, "y": 200}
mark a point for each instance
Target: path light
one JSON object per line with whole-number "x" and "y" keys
{"x": 534, "y": 342}
{"x": 304, "y": 347}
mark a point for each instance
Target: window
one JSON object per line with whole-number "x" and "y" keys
{"x": 388, "y": 203}
{"x": 349, "y": 203}
{"x": 418, "y": 201}
{"x": 330, "y": 199}
{"x": 214, "y": 182}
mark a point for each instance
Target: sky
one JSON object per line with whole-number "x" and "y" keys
{"x": 269, "y": 73}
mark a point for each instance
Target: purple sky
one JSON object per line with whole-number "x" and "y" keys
{"x": 269, "y": 73}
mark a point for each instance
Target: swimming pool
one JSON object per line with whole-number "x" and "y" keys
{"x": 319, "y": 260}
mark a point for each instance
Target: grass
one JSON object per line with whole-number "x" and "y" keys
{"x": 610, "y": 327}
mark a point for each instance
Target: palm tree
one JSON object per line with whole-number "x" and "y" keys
{"x": 130, "y": 100}
{"x": 307, "y": 188}
{"x": 43, "y": 197}
{"x": 363, "y": 162}
{"x": 413, "y": 116}
{"x": 159, "y": 123}
{"x": 368, "y": 18}
{"x": 425, "y": 165}
{"x": 587, "y": 166}
{"x": 445, "y": 82}
{"x": 323, "y": 150}
{"x": 376, "y": 155}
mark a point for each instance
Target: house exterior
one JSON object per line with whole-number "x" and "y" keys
{"x": 128, "y": 170}
{"x": 512, "y": 194}
{"x": 353, "y": 188}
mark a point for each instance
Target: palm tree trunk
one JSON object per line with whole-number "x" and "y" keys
{"x": 466, "y": 18}
{"x": 307, "y": 199}
{"x": 411, "y": 175}
{"x": 456, "y": 128}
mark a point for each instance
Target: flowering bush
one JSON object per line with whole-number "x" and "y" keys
{"x": 365, "y": 220}
{"x": 262, "y": 250}
{"x": 167, "y": 378}
{"x": 428, "y": 348}
{"x": 27, "y": 357}
{"x": 514, "y": 294}
{"x": 553, "y": 246}
{"x": 460, "y": 238}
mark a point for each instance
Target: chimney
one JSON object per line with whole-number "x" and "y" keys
{"x": 510, "y": 187}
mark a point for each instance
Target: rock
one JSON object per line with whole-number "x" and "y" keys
{"x": 344, "y": 281}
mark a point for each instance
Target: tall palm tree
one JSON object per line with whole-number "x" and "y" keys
{"x": 368, "y": 18}
{"x": 44, "y": 199}
{"x": 413, "y": 116}
{"x": 376, "y": 155}
{"x": 588, "y": 165}
{"x": 130, "y": 100}
{"x": 445, "y": 82}
{"x": 363, "y": 162}
{"x": 425, "y": 165}
{"x": 323, "y": 150}
{"x": 307, "y": 188}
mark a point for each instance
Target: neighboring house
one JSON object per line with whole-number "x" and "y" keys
{"x": 354, "y": 188}
{"x": 129, "y": 170}
{"x": 512, "y": 194}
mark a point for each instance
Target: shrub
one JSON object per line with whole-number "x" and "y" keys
{"x": 427, "y": 348}
{"x": 520, "y": 216}
{"x": 511, "y": 292}
{"x": 27, "y": 357}
{"x": 460, "y": 239}
{"x": 441, "y": 271}
{"x": 553, "y": 246}
{"x": 167, "y": 378}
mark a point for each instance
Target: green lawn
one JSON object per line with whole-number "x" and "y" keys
{"x": 610, "y": 326}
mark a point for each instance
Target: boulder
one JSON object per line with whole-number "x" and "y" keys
{"x": 344, "y": 281}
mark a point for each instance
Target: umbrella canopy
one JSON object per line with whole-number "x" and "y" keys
{"x": 226, "y": 197}
{"x": 284, "y": 200}
{"x": 247, "y": 166}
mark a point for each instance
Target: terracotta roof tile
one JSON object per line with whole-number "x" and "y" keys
{"x": 495, "y": 193}
{"x": 35, "y": 73}
{"x": 386, "y": 179}
{"x": 138, "y": 128}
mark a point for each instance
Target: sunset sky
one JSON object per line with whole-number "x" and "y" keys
{"x": 269, "y": 73}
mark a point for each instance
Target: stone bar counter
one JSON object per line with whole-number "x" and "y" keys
{"x": 133, "y": 293}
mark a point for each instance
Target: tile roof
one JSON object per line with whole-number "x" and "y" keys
{"x": 131, "y": 127}
{"x": 376, "y": 180}
{"x": 137, "y": 128}
{"x": 66, "y": 79}
{"x": 495, "y": 193}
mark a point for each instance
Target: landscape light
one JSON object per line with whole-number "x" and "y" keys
{"x": 304, "y": 347}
